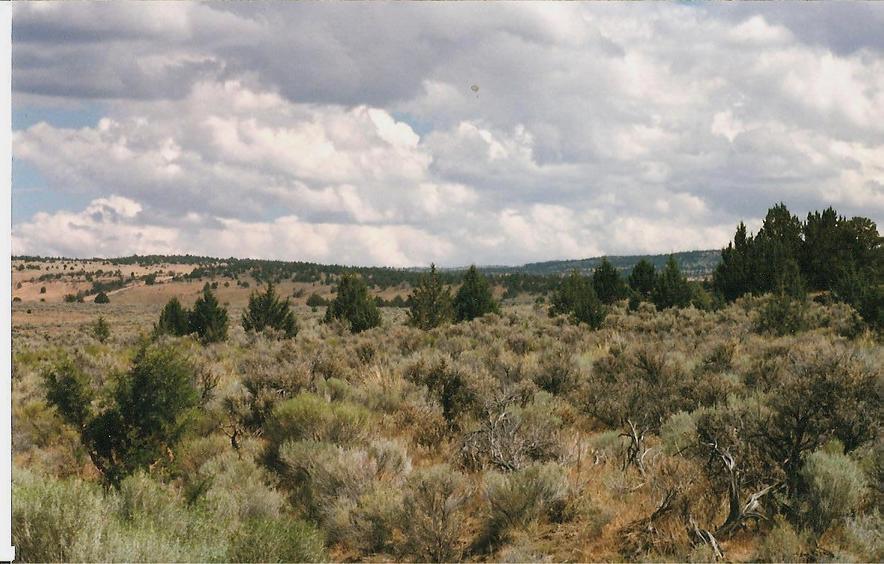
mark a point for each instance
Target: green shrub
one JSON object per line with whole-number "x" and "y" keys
{"x": 101, "y": 298}
{"x": 310, "y": 417}
{"x": 835, "y": 485}
{"x": 276, "y": 540}
{"x": 557, "y": 373}
{"x": 782, "y": 315}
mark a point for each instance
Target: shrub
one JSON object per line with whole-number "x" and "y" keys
{"x": 174, "y": 320}
{"x": 101, "y": 298}
{"x": 782, "y": 315}
{"x": 315, "y": 300}
{"x": 781, "y": 544}
{"x": 519, "y": 498}
{"x": 353, "y": 305}
{"x": 430, "y": 302}
{"x": 42, "y": 288}
{"x": 474, "y": 298}
{"x": 267, "y": 310}
{"x": 556, "y": 373}
{"x": 208, "y": 320}
{"x": 678, "y": 432}
{"x": 834, "y": 487}
{"x": 310, "y": 417}
{"x": 432, "y": 514}
{"x": 276, "y": 540}
{"x": 101, "y": 330}
{"x": 576, "y": 298}
{"x": 49, "y": 517}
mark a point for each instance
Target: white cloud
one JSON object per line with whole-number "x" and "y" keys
{"x": 596, "y": 128}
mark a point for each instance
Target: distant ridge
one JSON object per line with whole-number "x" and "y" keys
{"x": 692, "y": 263}
{"x": 695, "y": 264}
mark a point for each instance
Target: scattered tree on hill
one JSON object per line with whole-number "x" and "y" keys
{"x": 102, "y": 298}
{"x": 142, "y": 420}
{"x": 267, "y": 310}
{"x": 208, "y": 319}
{"x": 101, "y": 329}
{"x": 431, "y": 304}
{"x": 672, "y": 288}
{"x": 607, "y": 283}
{"x": 576, "y": 298}
{"x": 174, "y": 320}
{"x": 353, "y": 305}
{"x": 642, "y": 279}
{"x": 474, "y": 298}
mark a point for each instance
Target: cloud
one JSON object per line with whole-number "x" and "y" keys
{"x": 595, "y": 128}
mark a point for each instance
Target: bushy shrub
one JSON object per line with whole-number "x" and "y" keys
{"x": 310, "y": 417}
{"x": 834, "y": 487}
{"x": 556, "y": 373}
{"x": 49, "y": 518}
{"x": 782, "y": 315}
{"x": 276, "y": 540}
{"x": 432, "y": 514}
{"x": 101, "y": 298}
{"x": 516, "y": 499}
{"x": 781, "y": 544}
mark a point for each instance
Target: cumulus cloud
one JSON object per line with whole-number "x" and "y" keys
{"x": 594, "y": 128}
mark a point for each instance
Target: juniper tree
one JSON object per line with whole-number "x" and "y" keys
{"x": 474, "y": 298}
{"x": 102, "y": 298}
{"x": 267, "y": 310}
{"x": 672, "y": 288}
{"x": 208, "y": 319}
{"x": 642, "y": 279}
{"x": 353, "y": 305}
{"x": 174, "y": 320}
{"x": 430, "y": 302}
{"x": 142, "y": 418}
{"x": 607, "y": 283}
{"x": 576, "y": 298}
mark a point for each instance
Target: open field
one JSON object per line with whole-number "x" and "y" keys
{"x": 507, "y": 438}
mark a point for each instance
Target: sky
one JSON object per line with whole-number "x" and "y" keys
{"x": 455, "y": 133}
